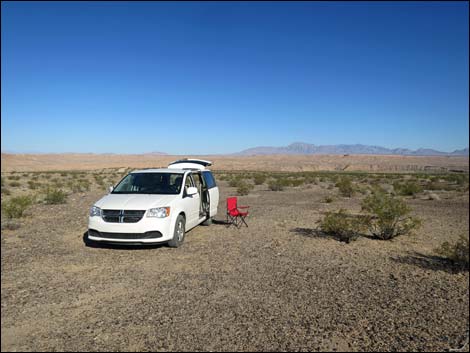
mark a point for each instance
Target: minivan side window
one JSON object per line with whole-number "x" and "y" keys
{"x": 209, "y": 179}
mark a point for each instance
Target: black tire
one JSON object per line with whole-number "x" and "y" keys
{"x": 179, "y": 233}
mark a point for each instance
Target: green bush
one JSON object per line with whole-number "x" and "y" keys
{"x": 79, "y": 185}
{"x": 328, "y": 199}
{"x": 458, "y": 253}
{"x": 33, "y": 185}
{"x": 388, "y": 216}
{"x": 14, "y": 184}
{"x": 275, "y": 185}
{"x": 99, "y": 179}
{"x": 342, "y": 225}
{"x": 15, "y": 207}
{"x": 437, "y": 185}
{"x": 295, "y": 182}
{"x": 345, "y": 187}
{"x": 55, "y": 196}
{"x": 244, "y": 188}
{"x": 408, "y": 188}
{"x": 458, "y": 179}
{"x": 235, "y": 181}
{"x": 259, "y": 179}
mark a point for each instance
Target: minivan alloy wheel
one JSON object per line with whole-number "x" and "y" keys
{"x": 180, "y": 231}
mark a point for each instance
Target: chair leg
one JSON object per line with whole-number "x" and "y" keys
{"x": 231, "y": 221}
{"x": 243, "y": 220}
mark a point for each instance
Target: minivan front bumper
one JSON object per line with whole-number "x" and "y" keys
{"x": 148, "y": 230}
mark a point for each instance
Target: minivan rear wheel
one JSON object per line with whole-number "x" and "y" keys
{"x": 179, "y": 233}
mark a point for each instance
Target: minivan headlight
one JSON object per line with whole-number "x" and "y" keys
{"x": 95, "y": 212}
{"x": 159, "y": 212}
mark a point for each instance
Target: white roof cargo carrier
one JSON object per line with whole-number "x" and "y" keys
{"x": 191, "y": 164}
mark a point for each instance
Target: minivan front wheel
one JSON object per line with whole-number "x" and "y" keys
{"x": 178, "y": 235}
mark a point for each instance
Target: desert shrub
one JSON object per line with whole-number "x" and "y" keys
{"x": 259, "y": 179}
{"x": 221, "y": 177}
{"x": 328, "y": 199}
{"x": 33, "y": 185}
{"x": 458, "y": 253}
{"x": 312, "y": 180}
{"x": 342, "y": 225}
{"x": 14, "y": 184}
{"x": 3, "y": 182}
{"x": 439, "y": 185}
{"x": 295, "y": 182}
{"x": 10, "y": 224}
{"x": 14, "y": 177}
{"x": 388, "y": 216}
{"x": 244, "y": 188}
{"x": 408, "y": 188}
{"x": 99, "y": 179}
{"x": 84, "y": 185}
{"x": 15, "y": 207}
{"x": 5, "y": 191}
{"x": 55, "y": 196}
{"x": 79, "y": 186}
{"x": 275, "y": 185}
{"x": 345, "y": 186}
{"x": 235, "y": 181}
{"x": 458, "y": 179}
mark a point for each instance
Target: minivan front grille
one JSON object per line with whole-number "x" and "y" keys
{"x": 122, "y": 216}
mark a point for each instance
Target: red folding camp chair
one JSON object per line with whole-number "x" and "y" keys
{"x": 234, "y": 215}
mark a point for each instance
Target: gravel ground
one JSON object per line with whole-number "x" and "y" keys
{"x": 271, "y": 286}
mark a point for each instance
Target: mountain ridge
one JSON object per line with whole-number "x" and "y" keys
{"x": 307, "y": 148}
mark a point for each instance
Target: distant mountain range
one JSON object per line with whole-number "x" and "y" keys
{"x": 306, "y": 148}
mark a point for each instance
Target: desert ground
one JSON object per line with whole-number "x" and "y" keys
{"x": 277, "y": 285}
{"x": 371, "y": 163}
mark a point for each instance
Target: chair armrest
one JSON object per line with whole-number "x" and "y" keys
{"x": 243, "y": 206}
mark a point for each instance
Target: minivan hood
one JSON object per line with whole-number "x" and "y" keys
{"x": 134, "y": 201}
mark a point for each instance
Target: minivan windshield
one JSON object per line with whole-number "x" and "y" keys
{"x": 150, "y": 183}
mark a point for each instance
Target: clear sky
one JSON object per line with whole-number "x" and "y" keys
{"x": 200, "y": 78}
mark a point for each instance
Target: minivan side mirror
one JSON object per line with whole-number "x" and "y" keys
{"x": 110, "y": 189}
{"x": 191, "y": 191}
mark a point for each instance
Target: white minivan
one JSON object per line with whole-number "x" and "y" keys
{"x": 156, "y": 205}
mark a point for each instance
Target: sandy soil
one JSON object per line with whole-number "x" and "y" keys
{"x": 32, "y": 162}
{"x": 271, "y": 286}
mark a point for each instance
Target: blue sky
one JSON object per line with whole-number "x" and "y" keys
{"x": 200, "y": 78}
